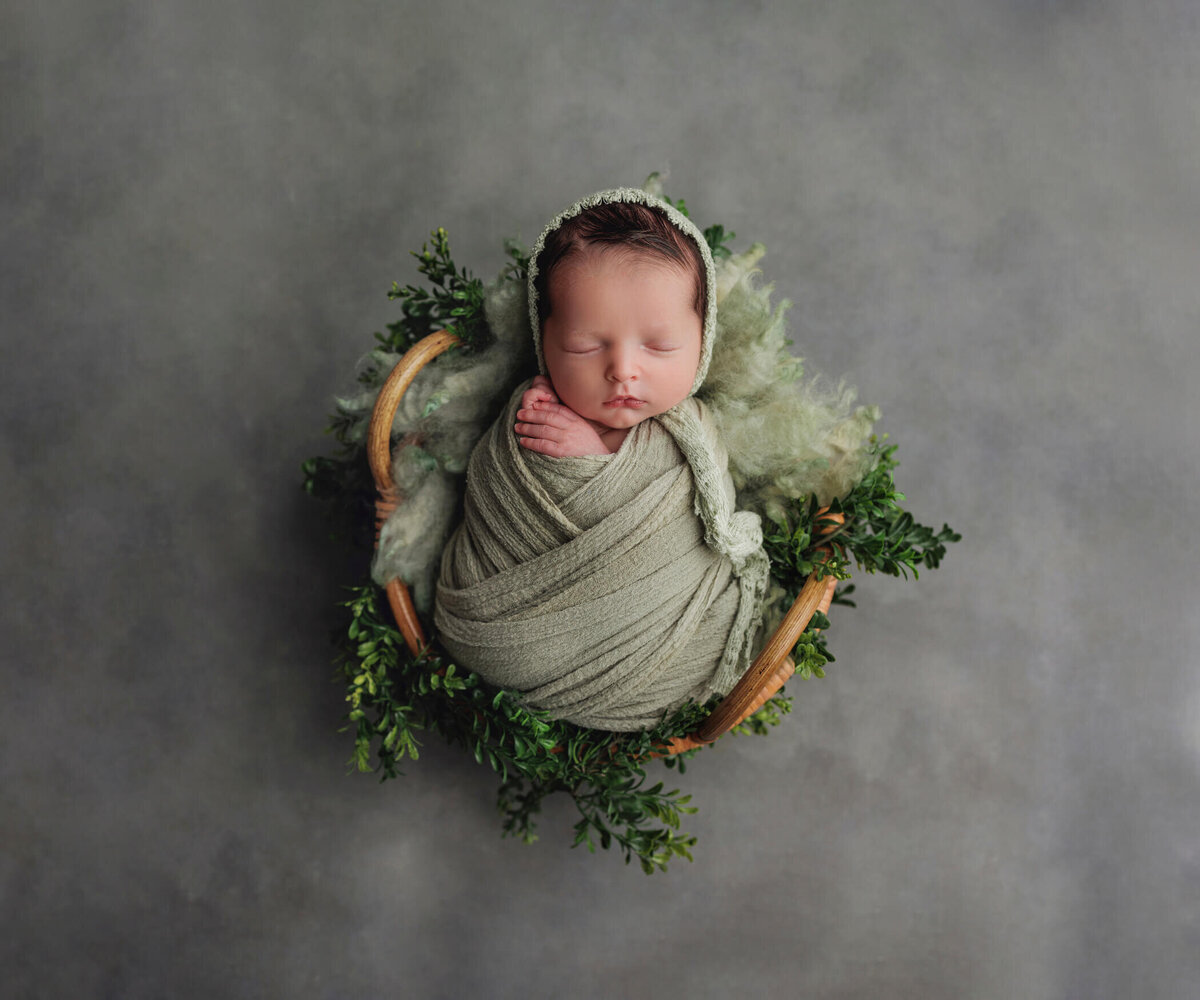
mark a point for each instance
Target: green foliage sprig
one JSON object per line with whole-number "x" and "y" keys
{"x": 867, "y": 527}
{"x": 394, "y": 697}
{"x": 715, "y": 236}
{"x": 453, "y": 300}
{"x": 342, "y": 483}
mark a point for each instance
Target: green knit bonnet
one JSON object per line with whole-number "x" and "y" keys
{"x": 678, "y": 219}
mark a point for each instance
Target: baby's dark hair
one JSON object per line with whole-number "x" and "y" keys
{"x": 628, "y": 227}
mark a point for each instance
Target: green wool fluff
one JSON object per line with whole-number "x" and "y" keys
{"x": 443, "y": 414}
{"x": 787, "y": 437}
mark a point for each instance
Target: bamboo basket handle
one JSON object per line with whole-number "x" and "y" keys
{"x": 379, "y": 433}
{"x": 745, "y": 698}
{"x": 771, "y": 668}
{"x": 379, "y": 455}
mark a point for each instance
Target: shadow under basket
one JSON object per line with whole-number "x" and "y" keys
{"x": 770, "y": 670}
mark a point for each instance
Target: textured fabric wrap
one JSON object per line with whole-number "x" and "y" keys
{"x": 608, "y": 589}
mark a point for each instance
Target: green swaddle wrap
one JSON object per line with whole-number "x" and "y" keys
{"x": 608, "y": 589}
{"x": 588, "y": 584}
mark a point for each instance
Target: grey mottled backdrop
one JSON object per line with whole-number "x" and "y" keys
{"x": 987, "y": 214}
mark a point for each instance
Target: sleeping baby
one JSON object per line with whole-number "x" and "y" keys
{"x": 601, "y": 568}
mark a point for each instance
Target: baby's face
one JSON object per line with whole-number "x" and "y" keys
{"x": 622, "y": 341}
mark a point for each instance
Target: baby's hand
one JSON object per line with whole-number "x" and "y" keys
{"x": 548, "y": 427}
{"x": 540, "y": 392}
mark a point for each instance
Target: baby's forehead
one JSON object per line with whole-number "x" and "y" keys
{"x": 630, "y": 262}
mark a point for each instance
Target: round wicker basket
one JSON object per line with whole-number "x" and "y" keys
{"x": 770, "y": 670}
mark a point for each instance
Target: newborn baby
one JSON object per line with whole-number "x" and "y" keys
{"x": 601, "y": 568}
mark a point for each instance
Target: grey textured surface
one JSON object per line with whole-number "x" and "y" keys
{"x": 988, "y": 216}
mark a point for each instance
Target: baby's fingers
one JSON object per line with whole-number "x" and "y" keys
{"x": 551, "y": 414}
{"x": 540, "y": 392}
{"x": 545, "y": 431}
{"x": 535, "y": 397}
{"x": 545, "y": 446}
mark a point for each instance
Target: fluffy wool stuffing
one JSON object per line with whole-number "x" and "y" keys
{"x": 787, "y": 436}
{"x": 442, "y": 415}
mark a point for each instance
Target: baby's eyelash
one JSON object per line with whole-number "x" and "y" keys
{"x": 657, "y": 348}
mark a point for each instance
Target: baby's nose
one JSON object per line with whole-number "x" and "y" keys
{"x": 621, "y": 367}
